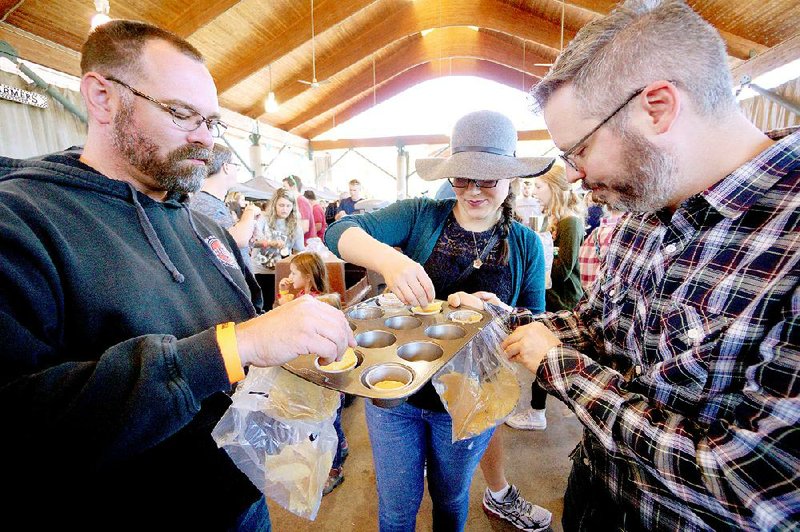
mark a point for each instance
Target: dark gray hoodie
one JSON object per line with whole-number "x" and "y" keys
{"x": 111, "y": 376}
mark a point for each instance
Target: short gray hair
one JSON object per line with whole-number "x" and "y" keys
{"x": 219, "y": 156}
{"x": 639, "y": 42}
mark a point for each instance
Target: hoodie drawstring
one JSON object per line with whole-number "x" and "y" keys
{"x": 152, "y": 239}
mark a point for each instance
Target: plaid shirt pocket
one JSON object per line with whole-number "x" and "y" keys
{"x": 689, "y": 338}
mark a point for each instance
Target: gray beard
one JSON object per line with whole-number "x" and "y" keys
{"x": 141, "y": 152}
{"x": 650, "y": 177}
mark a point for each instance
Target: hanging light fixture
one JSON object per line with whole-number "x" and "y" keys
{"x": 271, "y": 104}
{"x": 101, "y": 17}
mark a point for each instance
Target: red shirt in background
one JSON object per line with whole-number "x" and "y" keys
{"x": 319, "y": 218}
{"x": 306, "y": 213}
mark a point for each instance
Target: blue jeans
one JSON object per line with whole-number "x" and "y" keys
{"x": 402, "y": 439}
{"x": 337, "y": 424}
{"x": 254, "y": 519}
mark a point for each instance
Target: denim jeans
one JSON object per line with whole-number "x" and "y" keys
{"x": 337, "y": 424}
{"x": 402, "y": 439}
{"x": 254, "y": 519}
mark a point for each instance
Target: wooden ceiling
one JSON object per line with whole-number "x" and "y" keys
{"x": 370, "y": 50}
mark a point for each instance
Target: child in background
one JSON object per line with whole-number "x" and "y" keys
{"x": 307, "y": 275}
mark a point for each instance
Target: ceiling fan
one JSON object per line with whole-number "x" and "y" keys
{"x": 314, "y": 83}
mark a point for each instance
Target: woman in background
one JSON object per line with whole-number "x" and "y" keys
{"x": 277, "y": 235}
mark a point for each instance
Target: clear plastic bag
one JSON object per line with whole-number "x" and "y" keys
{"x": 478, "y": 386}
{"x": 279, "y": 432}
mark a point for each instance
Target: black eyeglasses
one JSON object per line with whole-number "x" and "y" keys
{"x": 463, "y": 182}
{"x": 186, "y": 119}
{"x": 567, "y": 155}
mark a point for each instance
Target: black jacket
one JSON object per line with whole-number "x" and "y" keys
{"x": 111, "y": 379}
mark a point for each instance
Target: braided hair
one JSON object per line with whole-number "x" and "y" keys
{"x": 507, "y": 217}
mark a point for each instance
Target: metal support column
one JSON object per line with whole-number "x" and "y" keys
{"x": 255, "y": 152}
{"x": 402, "y": 172}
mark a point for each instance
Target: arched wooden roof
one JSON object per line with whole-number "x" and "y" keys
{"x": 370, "y": 50}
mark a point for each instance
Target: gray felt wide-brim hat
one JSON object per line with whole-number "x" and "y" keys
{"x": 483, "y": 147}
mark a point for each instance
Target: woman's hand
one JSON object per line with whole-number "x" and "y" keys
{"x": 408, "y": 280}
{"x": 475, "y": 300}
{"x": 529, "y": 344}
{"x": 285, "y": 284}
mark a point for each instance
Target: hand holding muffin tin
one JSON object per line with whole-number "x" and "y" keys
{"x": 395, "y": 345}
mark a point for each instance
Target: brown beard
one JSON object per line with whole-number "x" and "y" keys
{"x": 648, "y": 181}
{"x": 169, "y": 173}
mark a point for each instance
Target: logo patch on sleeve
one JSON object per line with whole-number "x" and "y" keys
{"x": 222, "y": 253}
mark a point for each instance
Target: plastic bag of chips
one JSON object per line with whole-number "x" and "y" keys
{"x": 279, "y": 432}
{"x": 478, "y": 386}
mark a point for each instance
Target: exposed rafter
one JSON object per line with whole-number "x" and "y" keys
{"x": 251, "y": 56}
{"x": 416, "y": 16}
{"x": 409, "y": 78}
{"x": 239, "y": 38}
{"x": 445, "y": 43}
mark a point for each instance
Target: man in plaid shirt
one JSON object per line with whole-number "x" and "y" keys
{"x": 682, "y": 362}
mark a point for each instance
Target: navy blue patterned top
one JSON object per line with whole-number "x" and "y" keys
{"x": 455, "y": 251}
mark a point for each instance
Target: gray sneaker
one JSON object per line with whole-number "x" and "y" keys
{"x": 517, "y": 511}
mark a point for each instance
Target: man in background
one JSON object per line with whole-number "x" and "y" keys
{"x": 527, "y": 205}
{"x": 320, "y": 224}
{"x": 210, "y": 200}
{"x": 348, "y": 205}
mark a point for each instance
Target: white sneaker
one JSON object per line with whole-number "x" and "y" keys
{"x": 523, "y": 514}
{"x": 529, "y": 419}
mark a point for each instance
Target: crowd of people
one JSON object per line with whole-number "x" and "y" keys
{"x": 131, "y": 309}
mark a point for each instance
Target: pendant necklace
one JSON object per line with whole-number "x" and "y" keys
{"x": 477, "y": 263}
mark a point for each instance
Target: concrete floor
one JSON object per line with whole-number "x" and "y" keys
{"x": 537, "y": 462}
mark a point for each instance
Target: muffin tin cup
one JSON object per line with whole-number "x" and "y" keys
{"x": 394, "y": 342}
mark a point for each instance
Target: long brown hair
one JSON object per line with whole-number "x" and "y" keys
{"x": 310, "y": 264}
{"x": 291, "y": 220}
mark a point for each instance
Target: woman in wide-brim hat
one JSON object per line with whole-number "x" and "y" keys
{"x": 468, "y": 244}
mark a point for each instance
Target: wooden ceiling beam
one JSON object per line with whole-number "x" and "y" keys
{"x": 38, "y": 50}
{"x": 407, "y": 21}
{"x": 407, "y": 140}
{"x": 198, "y": 15}
{"x": 738, "y": 47}
{"x": 442, "y": 44}
{"x": 777, "y": 56}
{"x": 257, "y": 53}
{"x": 407, "y": 79}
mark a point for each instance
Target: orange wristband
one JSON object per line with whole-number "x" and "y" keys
{"x": 226, "y": 339}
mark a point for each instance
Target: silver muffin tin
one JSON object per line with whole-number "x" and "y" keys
{"x": 394, "y": 344}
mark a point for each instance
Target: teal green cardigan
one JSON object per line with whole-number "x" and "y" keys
{"x": 414, "y": 226}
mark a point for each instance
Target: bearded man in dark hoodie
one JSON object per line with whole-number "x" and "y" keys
{"x": 125, "y": 317}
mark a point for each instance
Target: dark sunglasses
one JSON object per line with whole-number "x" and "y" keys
{"x": 463, "y": 182}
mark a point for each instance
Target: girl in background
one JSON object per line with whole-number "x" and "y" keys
{"x": 565, "y": 214}
{"x": 307, "y": 275}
